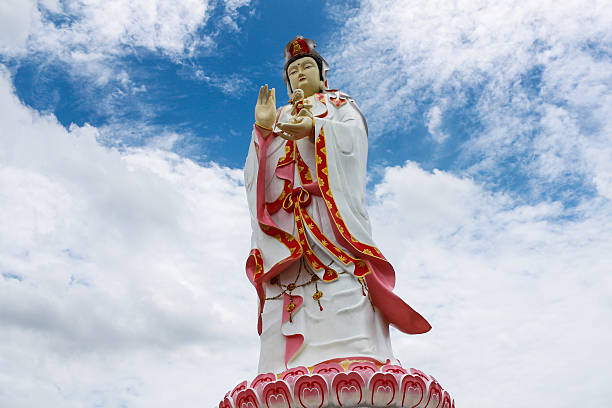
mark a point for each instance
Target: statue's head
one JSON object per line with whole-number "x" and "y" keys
{"x": 304, "y": 67}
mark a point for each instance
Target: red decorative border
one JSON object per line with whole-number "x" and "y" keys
{"x": 274, "y": 206}
{"x": 334, "y": 212}
{"x": 255, "y": 265}
{"x": 361, "y": 267}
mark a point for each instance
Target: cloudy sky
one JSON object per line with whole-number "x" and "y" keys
{"x": 124, "y": 229}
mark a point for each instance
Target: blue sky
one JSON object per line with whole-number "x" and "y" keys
{"x": 206, "y": 95}
{"x": 123, "y": 130}
{"x": 213, "y": 115}
{"x": 176, "y": 99}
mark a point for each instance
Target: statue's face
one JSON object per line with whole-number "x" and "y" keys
{"x": 304, "y": 74}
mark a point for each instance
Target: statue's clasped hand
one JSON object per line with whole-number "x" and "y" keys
{"x": 302, "y": 121}
{"x": 299, "y": 127}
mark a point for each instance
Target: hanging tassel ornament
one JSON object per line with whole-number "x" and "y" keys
{"x": 290, "y": 309}
{"x": 318, "y": 294}
{"x": 363, "y": 286}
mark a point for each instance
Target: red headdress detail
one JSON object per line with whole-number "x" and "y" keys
{"x": 296, "y": 47}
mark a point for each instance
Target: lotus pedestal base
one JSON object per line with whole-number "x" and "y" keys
{"x": 360, "y": 384}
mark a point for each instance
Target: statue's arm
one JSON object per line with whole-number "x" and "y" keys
{"x": 349, "y": 129}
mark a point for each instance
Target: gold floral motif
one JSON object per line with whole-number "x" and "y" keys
{"x": 296, "y": 47}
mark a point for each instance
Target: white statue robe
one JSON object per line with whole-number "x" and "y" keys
{"x": 327, "y": 233}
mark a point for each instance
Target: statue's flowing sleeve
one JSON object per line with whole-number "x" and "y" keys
{"x": 341, "y": 147}
{"x": 273, "y": 247}
{"x": 256, "y": 158}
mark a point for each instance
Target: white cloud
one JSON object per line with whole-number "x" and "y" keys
{"x": 15, "y": 20}
{"x": 534, "y": 76}
{"x": 116, "y": 27}
{"x": 231, "y": 8}
{"x": 518, "y": 296}
{"x": 110, "y": 270}
{"x": 434, "y": 124}
{"x": 231, "y": 85}
{"x": 91, "y": 36}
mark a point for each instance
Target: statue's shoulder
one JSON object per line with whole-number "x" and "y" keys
{"x": 337, "y": 98}
{"x": 345, "y": 103}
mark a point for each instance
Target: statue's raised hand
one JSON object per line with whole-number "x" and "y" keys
{"x": 265, "y": 110}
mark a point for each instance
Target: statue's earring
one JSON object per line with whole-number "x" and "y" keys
{"x": 321, "y": 85}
